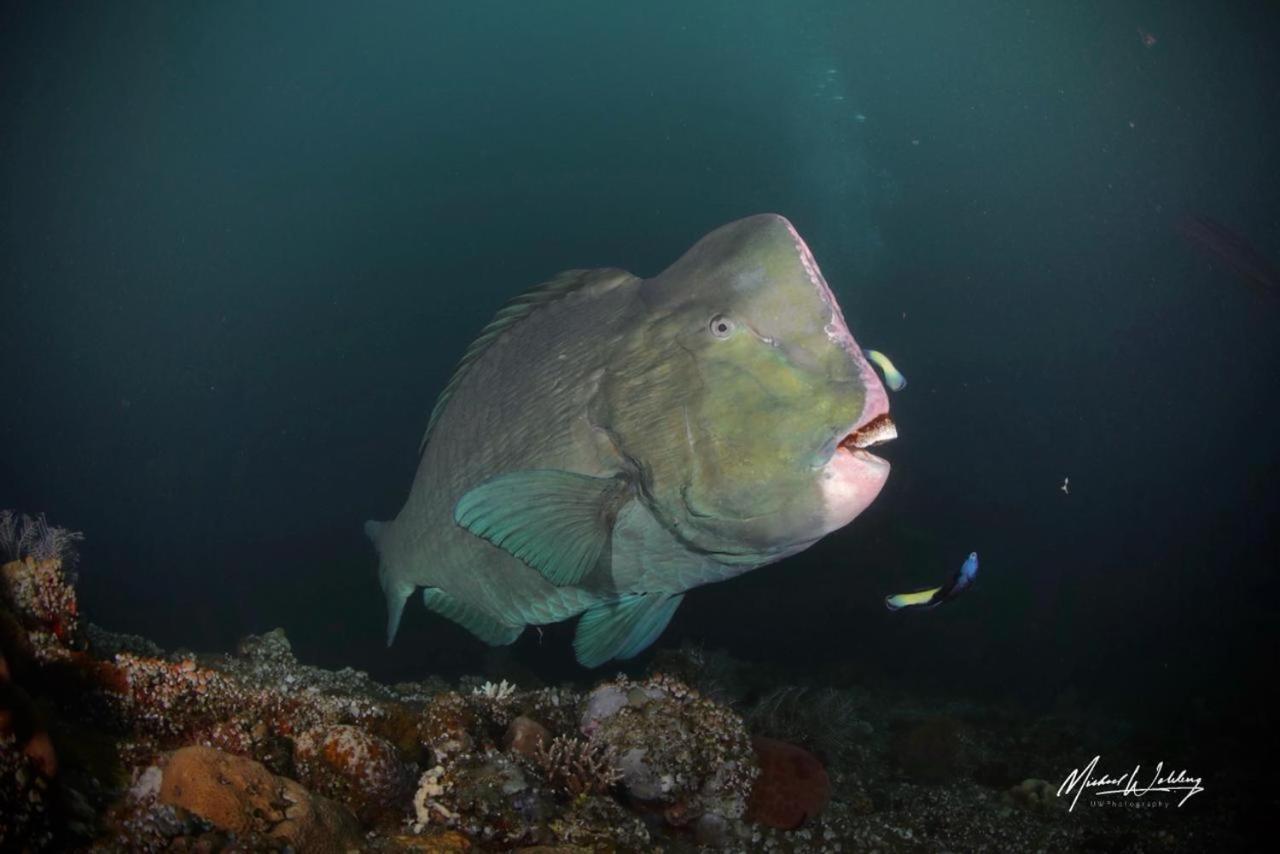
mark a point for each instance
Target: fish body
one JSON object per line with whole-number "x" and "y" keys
{"x": 610, "y": 442}
{"x": 934, "y": 596}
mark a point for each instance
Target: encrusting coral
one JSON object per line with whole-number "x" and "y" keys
{"x": 673, "y": 747}
{"x": 148, "y": 751}
{"x": 109, "y": 744}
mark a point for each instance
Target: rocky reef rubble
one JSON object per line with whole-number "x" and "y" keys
{"x": 107, "y": 743}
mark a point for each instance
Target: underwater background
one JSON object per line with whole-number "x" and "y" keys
{"x": 244, "y": 245}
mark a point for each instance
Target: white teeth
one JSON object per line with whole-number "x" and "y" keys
{"x": 876, "y": 432}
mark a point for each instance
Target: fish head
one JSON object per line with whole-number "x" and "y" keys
{"x": 742, "y": 398}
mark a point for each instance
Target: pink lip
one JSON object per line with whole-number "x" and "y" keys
{"x": 873, "y": 424}
{"x": 876, "y": 401}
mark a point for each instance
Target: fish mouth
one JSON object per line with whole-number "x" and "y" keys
{"x": 854, "y": 476}
{"x": 876, "y": 431}
{"x": 874, "y": 426}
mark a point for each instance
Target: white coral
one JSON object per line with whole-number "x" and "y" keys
{"x": 499, "y": 692}
{"x": 425, "y": 803}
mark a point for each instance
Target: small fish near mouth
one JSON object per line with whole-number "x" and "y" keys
{"x": 877, "y": 431}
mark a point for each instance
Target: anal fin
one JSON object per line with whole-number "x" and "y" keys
{"x": 397, "y": 594}
{"x": 489, "y": 629}
{"x": 623, "y": 629}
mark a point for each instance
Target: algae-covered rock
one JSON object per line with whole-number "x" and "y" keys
{"x": 350, "y": 765}
{"x": 242, "y": 796}
{"x": 39, "y": 595}
{"x": 673, "y": 747}
{"x": 271, "y": 647}
{"x": 526, "y": 737}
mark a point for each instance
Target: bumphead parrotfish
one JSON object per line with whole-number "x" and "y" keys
{"x": 610, "y": 442}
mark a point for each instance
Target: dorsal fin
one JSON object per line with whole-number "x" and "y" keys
{"x": 512, "y": 312}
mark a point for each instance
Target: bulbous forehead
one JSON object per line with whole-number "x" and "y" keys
{"x": 760, "y": 271}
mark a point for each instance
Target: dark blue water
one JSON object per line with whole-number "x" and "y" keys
{"x": 243, "y": 246}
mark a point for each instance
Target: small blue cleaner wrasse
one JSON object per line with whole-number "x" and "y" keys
{"x": 934, "y": 596}
{"x": 610, "y": 442}
{"x": 893, "y": 378}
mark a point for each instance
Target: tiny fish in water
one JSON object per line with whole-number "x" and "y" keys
{"x": 934, "y": 596}
{"x": 893, "y": 378}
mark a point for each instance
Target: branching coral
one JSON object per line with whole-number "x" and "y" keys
{"x": 577, "y": 767}
{"x": 499, "y": 691}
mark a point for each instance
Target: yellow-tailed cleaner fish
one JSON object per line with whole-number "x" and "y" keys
{"x": 893, "y": 378}
{"x": 610, "y": 442}
{"x": 934, "y": 596}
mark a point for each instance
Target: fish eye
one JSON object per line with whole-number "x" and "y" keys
{"x": 721, "y": 326}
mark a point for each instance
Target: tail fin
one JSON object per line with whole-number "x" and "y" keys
{"x": 373, "y": 530}
{"x": 397, "y": 592}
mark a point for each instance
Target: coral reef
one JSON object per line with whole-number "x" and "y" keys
{"x": 354, "y": 766}
{"x": 713, "y": 673}
{"x": 673, "y": 747}
{"x": 240, "y": 796}
{"x": 526, "y": 737}
{"x": 107, "y": 743}
{"x": 23, "y": 536}
{"x": 44, "y": 603}
{"x": 577, "y": 767}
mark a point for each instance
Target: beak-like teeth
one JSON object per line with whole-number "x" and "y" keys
{"x": 875, "y": 432}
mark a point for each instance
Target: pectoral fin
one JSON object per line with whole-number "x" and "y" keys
{"x": 918, "y": 599}
{"x": 623, "y": 629}
{"x": 557, "y": 522}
